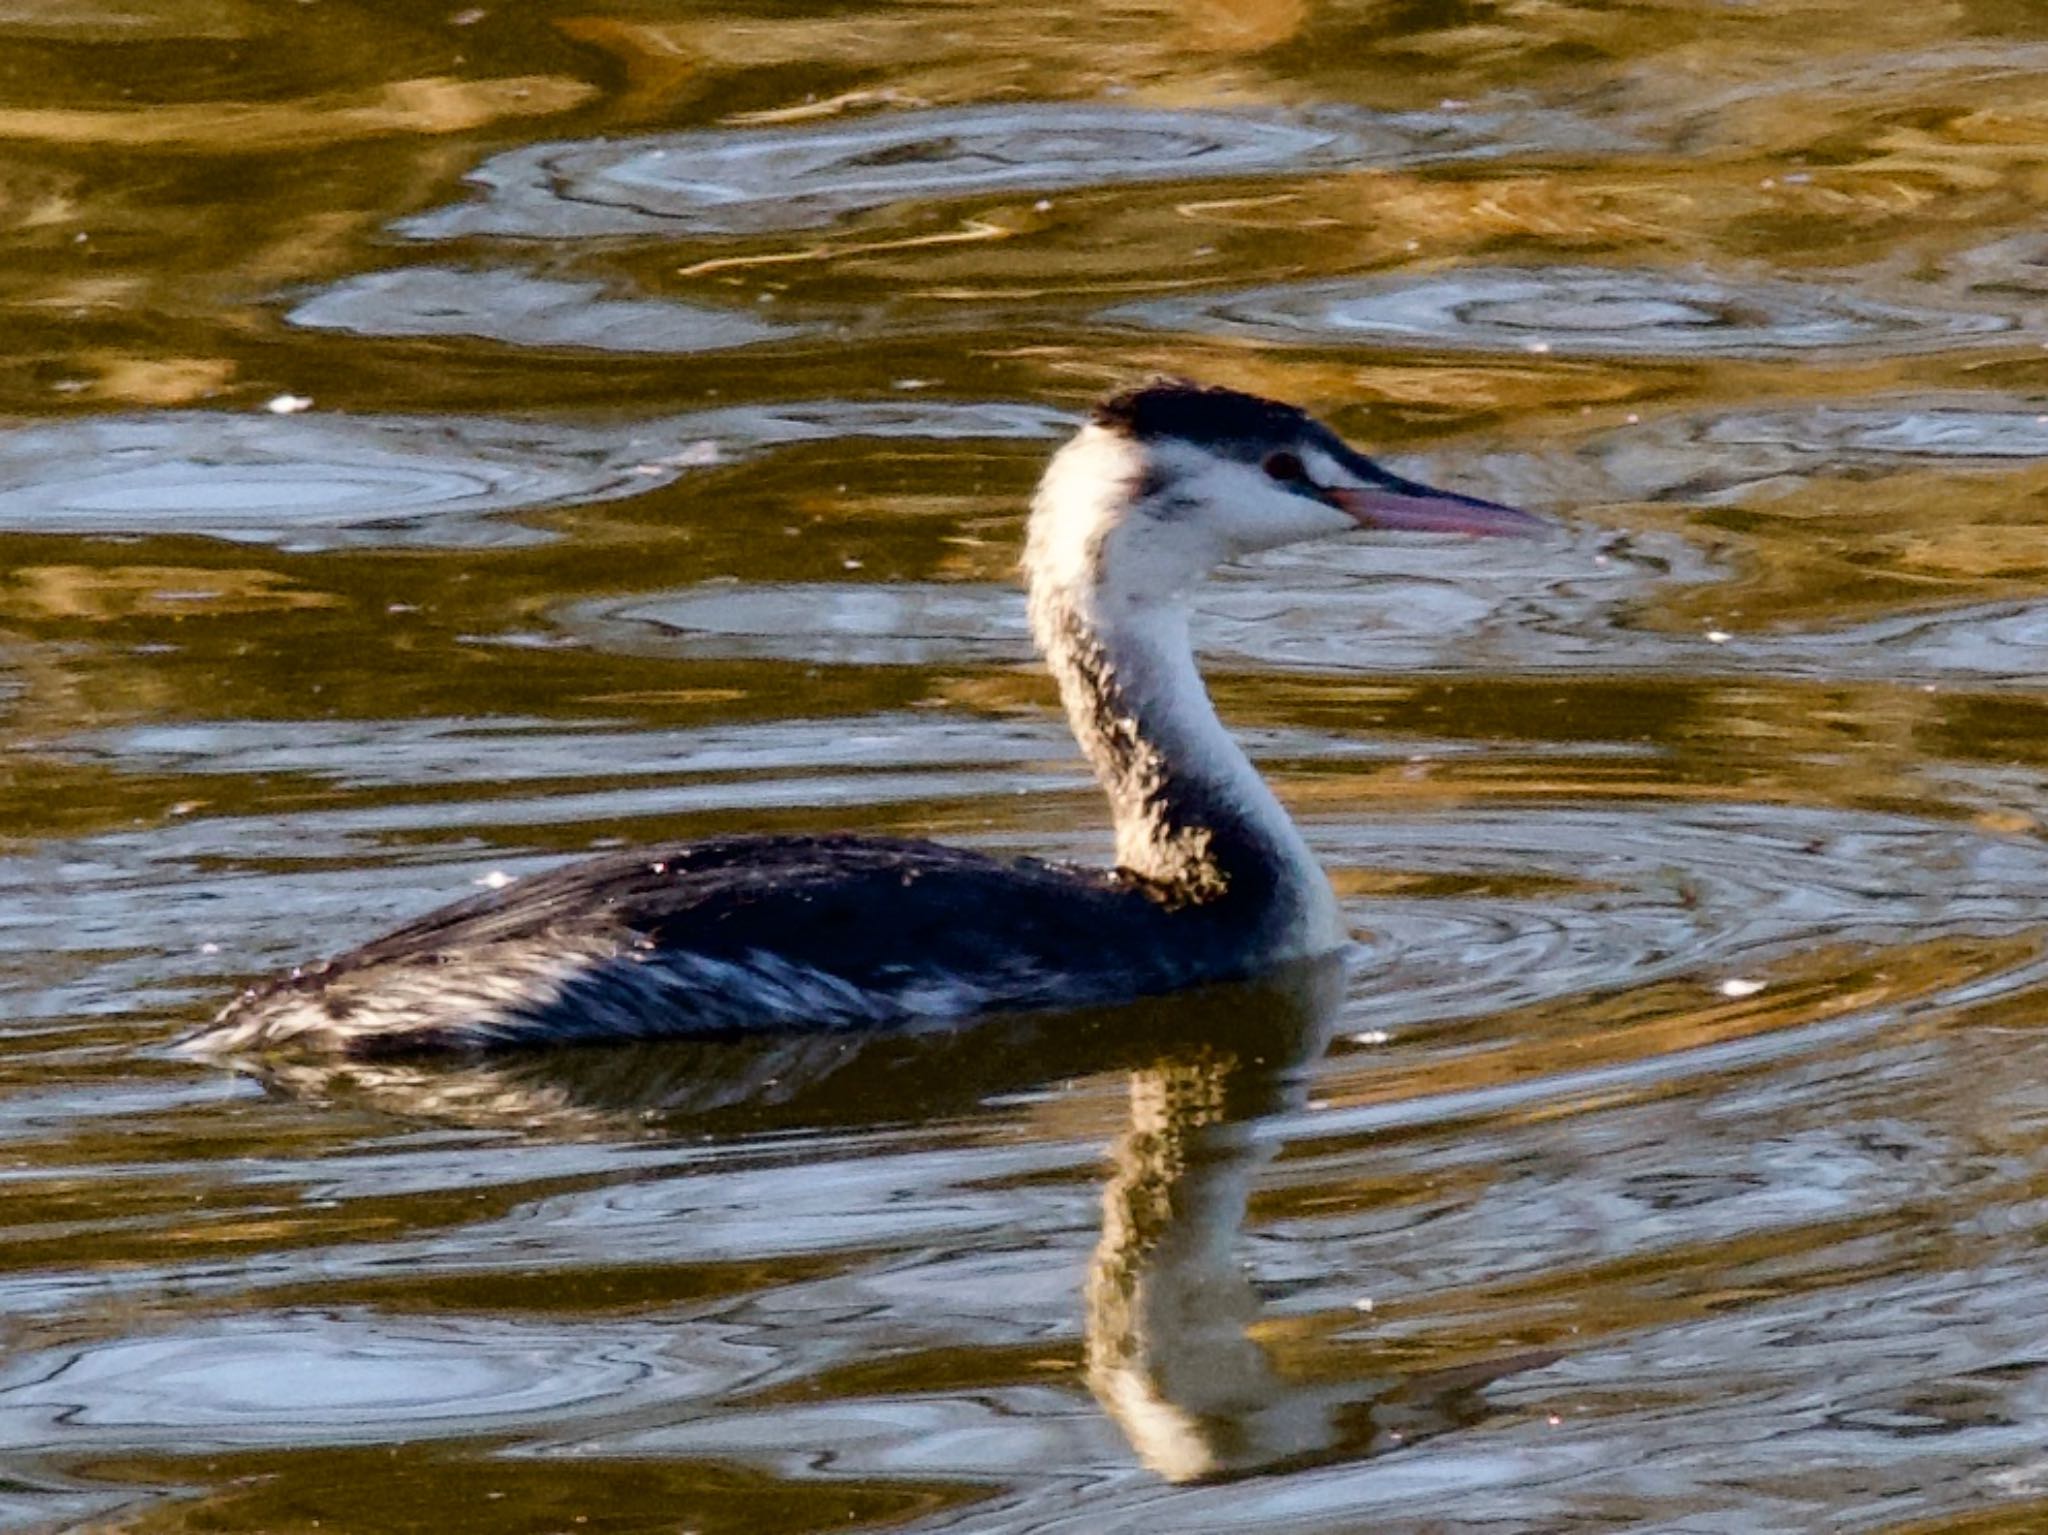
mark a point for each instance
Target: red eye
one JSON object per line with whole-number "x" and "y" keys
{"x": 1285, "y": 467}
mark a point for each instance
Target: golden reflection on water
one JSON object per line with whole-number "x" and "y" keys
{"x": 403, "y": 107}
{"x": 1675, "y": 1157}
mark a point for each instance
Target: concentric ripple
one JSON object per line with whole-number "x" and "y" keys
{"x": 524, "y": 310}
{"x": 1669, "y": 891}
{"x": 291, "y": 1378}
{"x": 767, "y": 179}
{"x": 1719, "y": 457}
{"x": 1929, "y": 433}
{"x": 1339, "y": 620}
{"x": 317, "y": 481}
{"x": 305, "y": 482}
{"x": 1572, "y": 311}
{"x": 903, "y": 623}
{"x": 1389, "y": 607}
{"x": 758, "y": 426}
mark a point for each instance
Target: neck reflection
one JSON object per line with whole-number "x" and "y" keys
{"x": 1169, "y": 1310}
{"x": 1172, "y": 1316}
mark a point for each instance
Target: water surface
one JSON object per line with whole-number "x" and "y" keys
{"x": 442, "y": 442}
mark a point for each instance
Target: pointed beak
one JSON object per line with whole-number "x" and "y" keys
{"x": 1404, "y": 506}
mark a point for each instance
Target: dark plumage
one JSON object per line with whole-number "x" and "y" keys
{"x": 1232, "y": 424}
{"x": 1200, "y": 414}
{"x": 725, "y": 932}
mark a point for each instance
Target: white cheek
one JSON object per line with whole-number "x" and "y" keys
{"x": 1259, "y": 514}
{"x": 1164, "y": 559}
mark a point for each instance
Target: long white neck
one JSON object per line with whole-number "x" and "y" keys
{"x": 1110, "y": 613}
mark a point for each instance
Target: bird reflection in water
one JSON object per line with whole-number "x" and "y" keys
{"x": 1173, "y": 1318}
{"x": 1175, "y": 1349}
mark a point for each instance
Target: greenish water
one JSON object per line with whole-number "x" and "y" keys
{"x": 438, "y": 441}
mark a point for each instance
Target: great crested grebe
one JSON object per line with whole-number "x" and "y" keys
{"x": 742, "y": 934}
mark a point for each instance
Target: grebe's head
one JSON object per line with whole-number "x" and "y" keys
{"x": 1168, "y": 481}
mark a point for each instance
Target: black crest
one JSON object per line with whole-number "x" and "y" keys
{"x": 1211, "y": 417}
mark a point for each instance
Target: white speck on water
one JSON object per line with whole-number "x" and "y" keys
{"x": 288, "y": 404}
{"x": 1363, "y": 1303}
{"x": 1370, "y": 1037}
{"x": 1718, "y": 636}
{"x": 1537, "y": 347}
{"x": 209, "y": 948}
{"x": 497, "y": 879}
{"x": 700, "y": 454}
{"x": 1739, "y": 986}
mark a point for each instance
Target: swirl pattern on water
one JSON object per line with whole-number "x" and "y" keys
{"x": 1677, "y": 1161}
{"x": 1573, "y": 311}
{"x": 1389, "y": 606}
{"x": 1933, "y": 434}
{"x": 1724, "y": 457}
{"x": 749, "y": 180}
{"x": 523, "y": 310}
{"x": 2016, "y": 264}
{"x": 335, "y": 1379}
{"x": 1568, "y": 605}
{"x": 305, "y": 482}
{"x": 317, "y": 481}
{"x": 1413, "y": 625}
{"x": 1755, "y": 881}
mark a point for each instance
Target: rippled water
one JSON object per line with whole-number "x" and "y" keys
{"x": 443, "y": 441}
